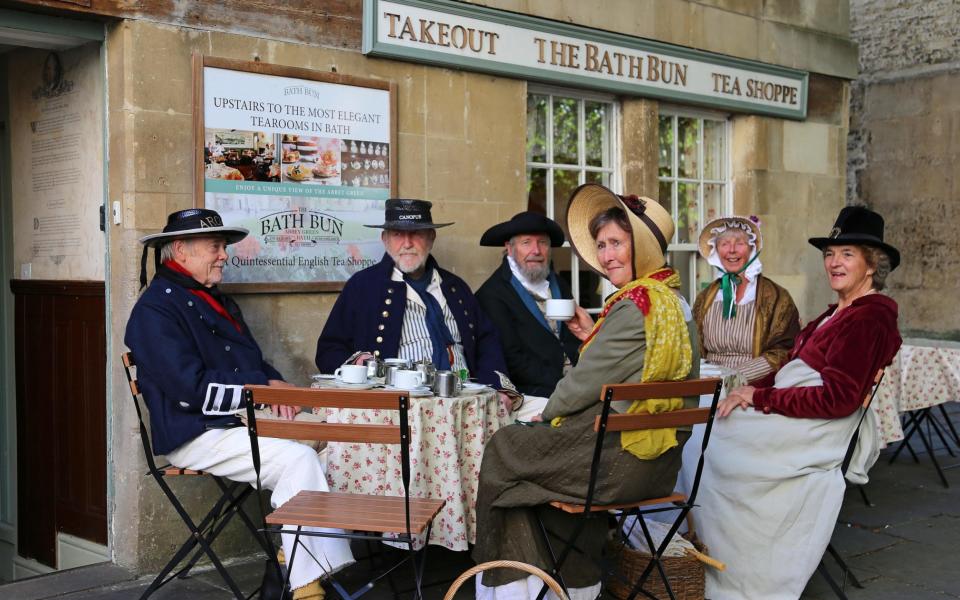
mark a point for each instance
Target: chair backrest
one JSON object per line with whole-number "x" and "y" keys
{"x": 855, "y": 438}
{"x": 130, "y": 366}
{"x": 332, "y": 432}
{"x": 606, "y": 422}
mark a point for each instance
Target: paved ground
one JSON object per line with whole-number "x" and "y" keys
{"x": 903, "y": 546}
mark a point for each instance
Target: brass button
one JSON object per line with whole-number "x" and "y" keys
{"x": 388, "y": 301}
{"x": 376, "y": 353}
{"x": 380, "y": 327}
{"x": 461, "y": 300}
{"x": 385, "y": 314}
{"x": 466, "y": 312}
{"x": 471, "y": 325}
{"x": 379, "y": 339}
{"x": 454, "y": 290}
{"x": 389, "y": 290}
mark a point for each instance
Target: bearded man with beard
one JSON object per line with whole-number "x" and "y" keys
{"x": 406, "y": 306}
{"x": 538, "y": 350}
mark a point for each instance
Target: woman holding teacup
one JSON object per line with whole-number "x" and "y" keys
{"x": 642, "y": 334}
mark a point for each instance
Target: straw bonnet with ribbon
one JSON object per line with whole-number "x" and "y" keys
{"x": 668, "y": 352}
{"x": 651, "y": 223}
{"x": 858, "y": 225}
{"x": 711, "y": 232}
{"x": 192, "y": 222}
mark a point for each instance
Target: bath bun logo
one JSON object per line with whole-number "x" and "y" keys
{"x": 300, "y": 227}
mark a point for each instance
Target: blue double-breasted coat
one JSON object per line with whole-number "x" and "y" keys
{"x": 187, "y": 356}
{"x": 368, "y": 316}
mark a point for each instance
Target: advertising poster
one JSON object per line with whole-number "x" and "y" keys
{"x": 302, "y": 159}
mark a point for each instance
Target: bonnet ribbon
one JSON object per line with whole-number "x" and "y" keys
{"x": 728, "y": 285}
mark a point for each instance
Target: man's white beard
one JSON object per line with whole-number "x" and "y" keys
{"x": 534, "y": 272}
{"x": 409, "y": 269}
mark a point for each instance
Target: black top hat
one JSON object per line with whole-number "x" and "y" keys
{"x": 194, "y": 221}
{"x": 521, "y": 223}
{"x": 408, "y": 214}
{"x": 858, "y": 225}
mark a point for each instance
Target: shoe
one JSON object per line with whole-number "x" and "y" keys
{"x": 311, "y": 591}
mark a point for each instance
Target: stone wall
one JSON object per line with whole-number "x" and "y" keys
{"x": 903, "y": 147}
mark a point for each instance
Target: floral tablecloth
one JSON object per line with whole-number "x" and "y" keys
{"x": 447, "y": 436}
{"x": 924, "y": 373}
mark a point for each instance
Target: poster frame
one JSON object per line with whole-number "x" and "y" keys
{"x": 199, "y": 62}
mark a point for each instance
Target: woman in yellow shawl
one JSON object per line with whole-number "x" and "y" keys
{"x": 643, "y": 333}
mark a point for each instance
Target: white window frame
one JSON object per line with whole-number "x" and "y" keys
{"x": 727, "y": 182}
{"x": 614, "y": 141}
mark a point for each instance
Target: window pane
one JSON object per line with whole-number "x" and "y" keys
{"x": 666, "y": 147}
{"x": 704, "y": 274}
{"x": 537, "y": 128}
{"x": 537, "y": 190}
{"x": 597, "y": 177}
{"x": 666, "y": 201}
{"x": 688, "y": 218}
{"x": 714, "y": 149}
{"x": 564, "y": 182}
{"x": 680, "y": 262}
{"x": 712, "y": 201}
{"x": 595, "y": 133}
{"x": 565, "y": 131}
{"x": 687, "y": 147}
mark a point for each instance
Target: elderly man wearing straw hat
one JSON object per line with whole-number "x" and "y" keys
{"x": 194, "y": 354}
{"x": 406, "y": 306}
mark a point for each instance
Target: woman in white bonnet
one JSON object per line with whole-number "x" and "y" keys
{"x": 746, "y": 321}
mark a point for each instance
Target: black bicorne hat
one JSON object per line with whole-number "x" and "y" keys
{"x": 526, "y": 222}
{"x": 858, "y": 225}
{"x": 408, "y": 214}
{"x": 191, "y": 222}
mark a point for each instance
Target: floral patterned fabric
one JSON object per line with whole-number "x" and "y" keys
{"x": 447, "y": 436}
{"x": 923, "y": 374}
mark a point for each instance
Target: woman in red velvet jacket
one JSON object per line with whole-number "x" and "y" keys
{"x": 847, "y": 344}
{"x": 772, "y": 485}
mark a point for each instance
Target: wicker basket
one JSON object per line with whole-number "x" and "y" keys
{"x": 685, "y": 574}
{"x": 506, "y": 564}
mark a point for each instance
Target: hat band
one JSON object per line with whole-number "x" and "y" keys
{"x": 639, "y": 208}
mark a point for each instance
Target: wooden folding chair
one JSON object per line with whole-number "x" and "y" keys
{"x": 202, "y": 534}
{"x": 610, "y": 423}
{"x": 397, "y": 519}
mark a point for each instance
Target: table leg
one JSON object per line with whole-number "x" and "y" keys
{"x": 946, "y": 417}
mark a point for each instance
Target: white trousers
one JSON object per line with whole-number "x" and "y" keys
{"x": 529, "y": 589}
{"x": 286, "y": 467}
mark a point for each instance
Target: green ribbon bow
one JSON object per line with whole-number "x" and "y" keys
{"x": 728, "y": 281}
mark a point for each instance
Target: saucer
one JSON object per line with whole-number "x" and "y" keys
{"x": 472, "y": 386}
{"x": 322, "y": 377}
{"x": 354, "y": 386}
{"x": 417, "y": 392}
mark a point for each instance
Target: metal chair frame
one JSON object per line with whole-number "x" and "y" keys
{"x": 204, "y": 532}
{"x": 681, "y": 503}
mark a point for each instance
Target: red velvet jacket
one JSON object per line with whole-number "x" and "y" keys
{"x": 847, "y": 352}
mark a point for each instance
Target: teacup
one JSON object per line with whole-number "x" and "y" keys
{"x": 560, "y": 310}
{"x": 407, "y": 380}
{"x": 352, "y": 373}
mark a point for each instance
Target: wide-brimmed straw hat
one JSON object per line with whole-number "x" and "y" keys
{"x": 651, "y": 223}
{"x": 527, "y": 222}
{"x": 745, "y": 224}
{"x": 858, "y": 226}
{"x": 194, "y": 222}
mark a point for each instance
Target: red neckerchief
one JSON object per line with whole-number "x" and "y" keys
{"x": 204, "y": 295}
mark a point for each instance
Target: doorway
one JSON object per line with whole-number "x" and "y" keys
{"x": 53, "y": 422}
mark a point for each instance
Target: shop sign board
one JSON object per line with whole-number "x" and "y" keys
{"x": 465, "y": 36}
{"x": 304, "y": 160}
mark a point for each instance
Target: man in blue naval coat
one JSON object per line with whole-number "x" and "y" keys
{"x": 406, "y": 306}
{"x": 194, "y": 353}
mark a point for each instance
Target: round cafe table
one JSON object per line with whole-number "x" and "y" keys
{"x": 447, "y": 436}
